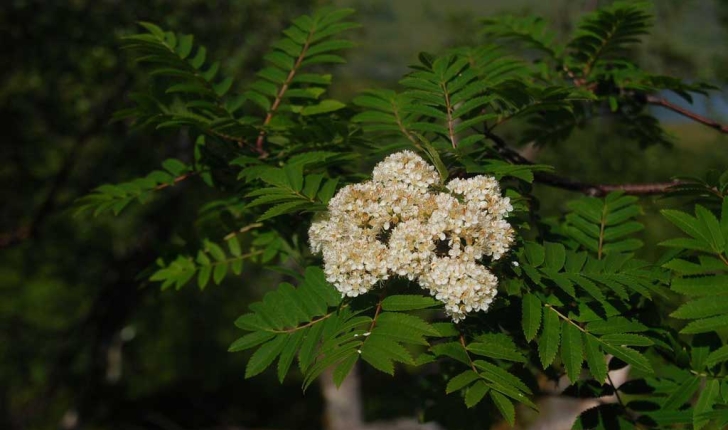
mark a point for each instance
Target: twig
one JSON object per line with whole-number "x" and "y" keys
{"x": 281, "y": 93}
{"x": 177, "y": 180}
{"x": 658, "y": 101}
{"x": 565, "y": 183}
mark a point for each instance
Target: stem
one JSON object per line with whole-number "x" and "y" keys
{"x": 282, "y": 91}
{"x": 595, "y": 190}
{"x": 177, "y": 180}
{"x": 308, "y": 324}
{"x": 686, "y": 113}
{"x": 602, "y": 224}
{"x": 450, "y": 121}
{"x": 242, "y": 257}
{"x": 616, "y": 391}
{"x": 243, "y": 230}
{"x": 472, "y": 364}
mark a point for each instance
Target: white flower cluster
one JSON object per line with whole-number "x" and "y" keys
{"x": 396, "y": 225}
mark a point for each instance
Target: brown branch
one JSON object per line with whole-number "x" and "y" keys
{"x": 177, "y": 180}
{"x": 596, "y": 190}
{"x": 281, "y": 92}
{"x": 659, "y": 101}
{"x": 240, "y": 141}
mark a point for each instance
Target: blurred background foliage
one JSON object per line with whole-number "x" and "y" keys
{"x": 84, "y": 343}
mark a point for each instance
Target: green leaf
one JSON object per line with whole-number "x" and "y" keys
{"x": 453, "y": 350}
{"x": 682, "y": 394}
{"x": 203, "y": 276}
{"x": 264, "y": 356}
{"x": 476, "y": 393}
{"x": 408, "y": 302}
{"x": 499, "y": 376}
{"x": 685, "y": 223}
{"x": 701, "y": 285}
{"x": 222, "y": 88}
{"x": 289, "y": 351}
{"x": 497, "y": 351}
{"x": 708, "y": 397}
{"x": 550, "y": 339}
{"x": 720, "y": 355}
{"x": 616, "y": 324}
{"x": 344, "y": 368}
{"x": 411, "y": 322}
{"x": 627, "y": 339}
{"x": 629, "y": 356}
{"x": 706, "y": 325}
{"x": 234, "y": 246}
{"x": 461, "y": 381}
{"x": 594, "y": 358}
{"x": 283, "y": 209}
{"x": 380, "y": 352}
{"x": 250, "y": 340}
{"x": 215, "y": 250}
{"x": 505, "y": 407}
{"x": 571, "y": 350}
{"x": 531, "y": 322}
{"x": 219, "y": 273}
{"x": 555, "y": 255}
{"x": 306, "y": 354}
{"x": 325, "y": 106}
{"x": 535, "y": 253}
{"x": 702, "y": 308}
{"x": 711, "y": 227}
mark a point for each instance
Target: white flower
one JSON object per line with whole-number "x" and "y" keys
{"x": 396, "y": 225}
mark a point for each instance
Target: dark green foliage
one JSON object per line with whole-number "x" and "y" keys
{"x": 574, "y": 301}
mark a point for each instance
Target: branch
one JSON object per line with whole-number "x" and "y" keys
{"x": 282, "y": 92}
{"x": 596, "y": 190}
{"x": 658, "y": 101}
{"x": 176, "y": 181}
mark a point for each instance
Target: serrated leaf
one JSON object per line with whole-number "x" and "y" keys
{"x": 306, "y": 354}
{"x": 325, "y": 106}
{"x": 706, "y": 325}
{"x": 629, "y": 356}
{"x": 283, "y": 209}
{"x": 505, "y": 407}
{"x": 720, "y": 355}
{"x": 251, "y": 340}
{"x": 531, "y": 321}
{"x": 476, "y": 393}
{"x": 289, "y": 351}
{"x": 550, "y": 339}
{"x": 460, "y": 381}
{"x": 702, "y": 308}
{"x": 626, "y": 339}
{"x": 594, "y": 358}
{"x": 682, "y": 394}
{"x": 344, "y": 368}
{"x": 497, "y": 351}
{"x": 616, "y": 324}
{"x": 571, "y": 350}
{"x": 453, "y": 350}
{"x": 264, "y": 356}
{"x": 500, "y": 376}
{"x": 411, "y": 322}
{"x": 708, "y": 397}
